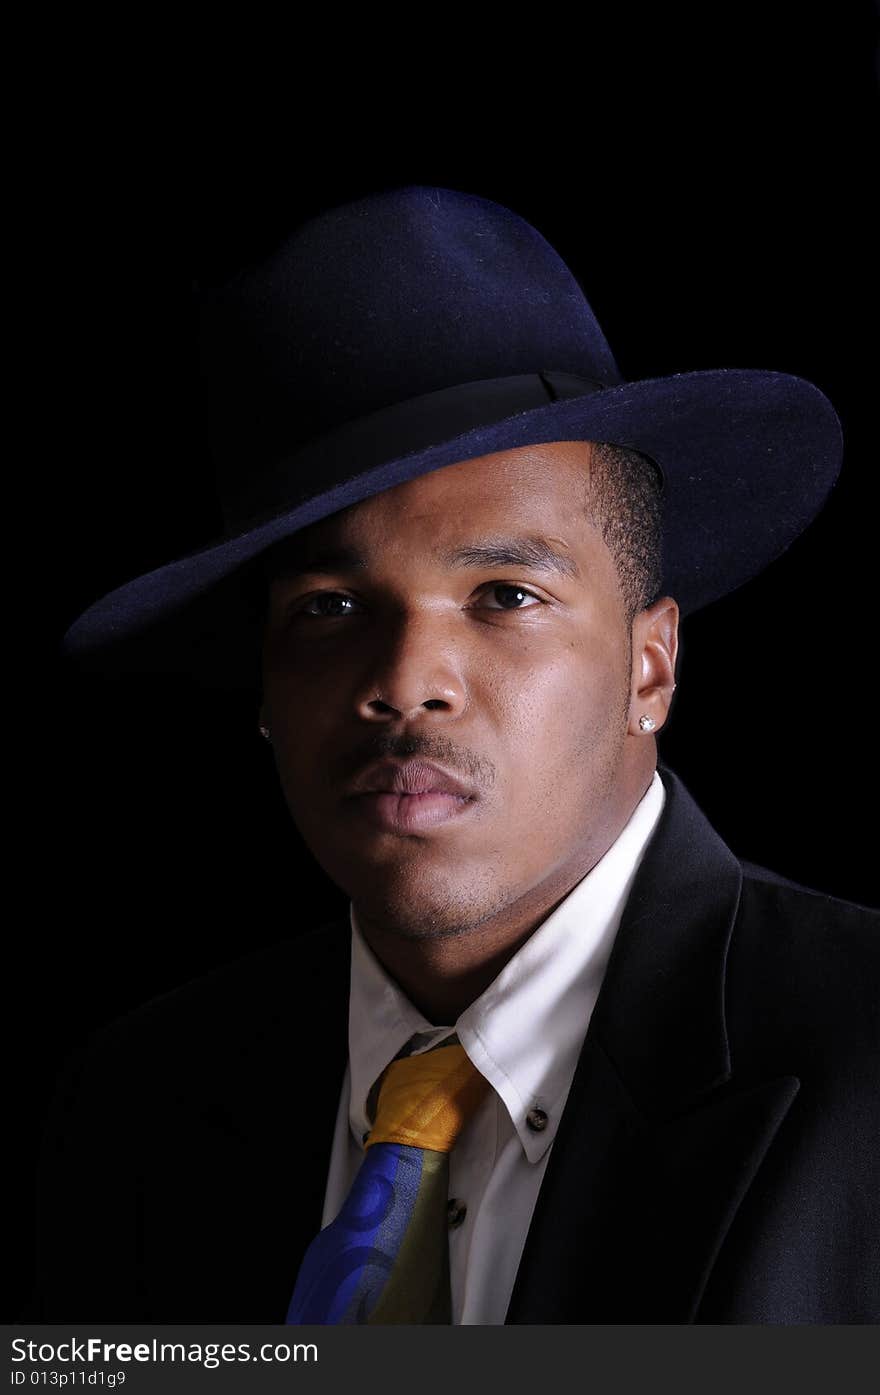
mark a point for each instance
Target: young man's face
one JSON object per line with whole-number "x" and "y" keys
{"x": 408, "y": 634}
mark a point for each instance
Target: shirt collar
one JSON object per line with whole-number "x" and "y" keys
{"x": 525, "y": 1031}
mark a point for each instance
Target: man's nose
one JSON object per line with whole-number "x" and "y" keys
{"x": 415, "y": 667}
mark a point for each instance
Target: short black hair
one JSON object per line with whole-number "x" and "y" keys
{"x": 623, "y": 497}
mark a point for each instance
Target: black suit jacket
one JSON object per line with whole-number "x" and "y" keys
{"x": 717, "y": 1159}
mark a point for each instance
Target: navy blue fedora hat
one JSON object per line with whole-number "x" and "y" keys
{"x": 414, "y": 328}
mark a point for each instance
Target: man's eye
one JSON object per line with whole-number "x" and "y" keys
{"x": 511, "y": 596}
{"x": 328, "y": 605}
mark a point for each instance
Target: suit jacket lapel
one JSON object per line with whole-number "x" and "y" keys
{"x": 659, "y": 1141}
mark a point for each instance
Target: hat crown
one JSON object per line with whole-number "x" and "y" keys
{"x": 376, "y": 301}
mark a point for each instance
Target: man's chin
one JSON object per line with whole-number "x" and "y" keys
{"x": 421, "y": 912}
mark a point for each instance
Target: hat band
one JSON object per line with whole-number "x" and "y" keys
{"x": 413, "y": 425}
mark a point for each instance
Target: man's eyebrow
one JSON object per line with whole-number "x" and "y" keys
{"x": 325, "y": 559}
{"x": 531, "y": 551}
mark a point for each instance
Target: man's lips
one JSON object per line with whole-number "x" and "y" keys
{"x": 409, "y": 777}
{"x": 409, "y": 796}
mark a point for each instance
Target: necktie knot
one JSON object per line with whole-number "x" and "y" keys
{"x": 425, "y": 1100}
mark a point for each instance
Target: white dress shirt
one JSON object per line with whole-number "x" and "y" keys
{"x": 524, "y": 1033}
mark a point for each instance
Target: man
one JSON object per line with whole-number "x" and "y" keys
{"x": 568, "y": 1059}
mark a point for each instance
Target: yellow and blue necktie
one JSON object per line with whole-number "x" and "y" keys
{"x": 385, "y": 1258}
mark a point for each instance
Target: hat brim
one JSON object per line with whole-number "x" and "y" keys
{"x": 749, "y": 458}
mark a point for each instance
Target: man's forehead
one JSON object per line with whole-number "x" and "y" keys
{"x": 532, "y": 550}
{"x": 524, "y": 507}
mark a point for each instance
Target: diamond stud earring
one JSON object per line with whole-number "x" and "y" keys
{"x": 647, "y": 723}
{"x": 264, "y": 731}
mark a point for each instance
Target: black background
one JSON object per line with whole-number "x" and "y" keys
{"x": 714, "y": 196}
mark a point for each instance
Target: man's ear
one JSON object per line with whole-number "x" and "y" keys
{"x": 655, "y": 650}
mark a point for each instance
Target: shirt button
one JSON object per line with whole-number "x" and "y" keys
{"x": 455, "y": 1212}
{"x": 536, "y": 1119}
